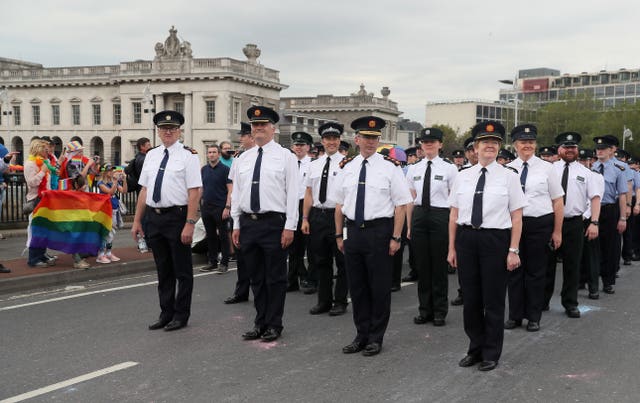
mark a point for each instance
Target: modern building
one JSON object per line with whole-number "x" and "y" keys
{"x": 462, "y": 115}
{"x": 308, "y": 113}
{"x": 108, "y": 108}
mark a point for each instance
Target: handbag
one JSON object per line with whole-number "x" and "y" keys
{"x": 121, "y": 207}
{"x": 28, "y": 206}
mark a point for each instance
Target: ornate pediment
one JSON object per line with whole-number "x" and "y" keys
{"x": 116, "y": 100}
{"x": 55, "y": 100}
{"x": 35, "y": 100}
{"x": 75, "y": 100}
{"x": 173, "y": 55}
{"x": 96, "y": 99}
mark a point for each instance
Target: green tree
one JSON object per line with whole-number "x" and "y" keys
{"x": 451, "y": 141}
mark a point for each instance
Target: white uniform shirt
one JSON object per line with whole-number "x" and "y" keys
{"x": 541, "y": 188}
{"x": 385, "y": 188}
{"x": 181, "y": 173}
{"x": 502, "y": 194}
{"x": 582, "y": 186}
{"x": 443, "y": 174}
{"x": 279, "y": 181}
{"x": 598, "y": 181}
{"x": 314, "y": 178}
{"x": 303, "y": 172}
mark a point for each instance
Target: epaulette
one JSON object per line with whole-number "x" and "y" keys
{"x": 447, "y": 160}
{"x": 345, "y": 161}
{"x": 192, "y": 150}
{"x": 598, "y": 172}
{"x": 313, "y": 159}
{"x": 239, "y": 153}
{"x": 416, "y": 161}
{"x": 462, "y": 168}
{"x": 392, "y": 160}
{"x": 620, "y": 167}
{"x": 511, "y": 168}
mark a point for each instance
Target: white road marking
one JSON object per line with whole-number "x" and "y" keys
{"x": 69, "y": 382}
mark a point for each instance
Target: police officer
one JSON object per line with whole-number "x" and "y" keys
{"x": 344, "y": 147}
{"x": 319, "y": 222}
{"x": 627, "y": 249}
{"x": 505, "y": 156}
{"x": 430, "y": 181}
{"x": 264, "y": 207}
{"x": 298, "y": 274}
{"x": 169, "y": 197}
{"x": 458, "y": 158}
{"x": 548, "y": 153}
{"x": 372, "y": 194}
{"x": 613, "y": 219}
{"x": 241, "y": 291}
{"x": 484, "y": 233}
{"x": 541, "y": 229}
{"x": 581, "y": 191}
{"x": 412, "y": 155}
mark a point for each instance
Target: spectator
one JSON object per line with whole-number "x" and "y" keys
{"x": 135, "y": 165}
{"x": 226, "y": 153}
{"x": 111, "y": 182}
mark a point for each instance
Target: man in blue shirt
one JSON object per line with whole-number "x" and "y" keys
{"x": 216, "y": 206}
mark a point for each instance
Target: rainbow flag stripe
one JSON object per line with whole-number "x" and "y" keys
{"x": 71, "y": 222}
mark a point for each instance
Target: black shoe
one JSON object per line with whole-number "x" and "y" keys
{"x": 533, "y": 326}
{"x": 457, "y": 301}
{"x": 395, "y": 288}
{"x": 545, "y": 308}
{"x": 450, "y": 270}
{"x": 626, "y": 262}
{"x": 253, "y": 334}
{"x": 159, "y": 324}
{"x": 421, "y": 320}
{"x": 318, "y": 309}
{"x": 338, "y": 309}
{"x": 293, "y": 287}
{"x": 572, "y": 312}
{"x": 209, "y": 268}
{"x": 175, "y": 325}
{"x": 582, "y": 286}
{"x": 512, "y": 323}
{"x": 223, "y": 269}
{"x": 438, "y": 322}
{"x": 352, "y": 348}
{"x": 594, "y": 295}
{"x": 469, "y": 361}
{"x": 310, "y": 290}
{"x": 372, "y": 349}
{"x": 635, "y": 257}
{"x": 409, "y": 278}
{"x": 608, "y": 289}
{"x": 271, "y": 334}
{"x": 234, "y": 299}
{"x": 4, "y": 269}
{"x": 487, "y": 365}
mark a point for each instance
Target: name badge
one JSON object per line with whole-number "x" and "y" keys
{"x": 438, "y": 178}
{"x": 417, "y": 178}
{"x": 580, "y": 179}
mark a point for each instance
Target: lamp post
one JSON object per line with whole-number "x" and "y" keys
{"x": 514, "y": 83}
{"x": 149, "y": 110}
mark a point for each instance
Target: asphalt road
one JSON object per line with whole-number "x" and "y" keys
{"x": 51, "y": 337}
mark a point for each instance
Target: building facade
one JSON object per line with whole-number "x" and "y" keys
{"x": 108, "y": 108}
{"x": 462, "y": 115}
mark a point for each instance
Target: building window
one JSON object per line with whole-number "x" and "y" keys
{"x": 211, "y": 111}
{"x": 96, "y": 114}
{"x": 55, "y": 114}
{"x": 236, "y": 112}
{"x": 117, "y": 113}
{"x": 35, "y": 112}
{"x": 16, "y": 115}
{"x": 179, "y": 107}
{"x": 137, "y": 112}
{"x": 75, "y": 115}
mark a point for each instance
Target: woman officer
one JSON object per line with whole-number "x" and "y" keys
{"x": 484, "y": 233}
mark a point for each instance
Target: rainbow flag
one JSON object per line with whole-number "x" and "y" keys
{"x": 71, "y": 222}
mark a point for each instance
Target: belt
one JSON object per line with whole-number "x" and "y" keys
{"x": 609, "y": 204}
{"x": 434, "y": 208}
{"x": 262, "y": 216}
{"x": 323, "y": 210}
{"x": 165, "y": 210}
{"x": 371, "y": 223}
{"x": 466, "y": 226}
{"x": 575, "y": 217}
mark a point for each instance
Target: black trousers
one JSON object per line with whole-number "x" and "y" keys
{"x": 627, "y": 236}
{"x": 173, "y": 262}
{"x": 482, "y": 267}
{"x": 609, "y": 242}
{"x": 430, "y": 238}
{"x": 323, "y": 248}
{"x": 267, "y": 264}
{"x": 590, "y": 262}
{"x": 398, "y": 258}
{"x": 297, "y": 250}
{"x": 571, "y": 252}
{"x": 527, "y": 282}
{"x": 217, "y": 235}
{"x": 243, "y": 282}
{"x": 369, "y": 267}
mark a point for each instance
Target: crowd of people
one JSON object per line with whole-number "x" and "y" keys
{"x": 502, "y": 219}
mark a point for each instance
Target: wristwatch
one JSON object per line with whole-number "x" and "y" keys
{"x": 396, "y": 238}
{"x": 191, "y": 221}
{"x": 596, "y": 223}
{"x": 515, "y": 250}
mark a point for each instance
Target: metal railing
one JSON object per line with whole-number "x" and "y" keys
{"x": 15, "y": 197}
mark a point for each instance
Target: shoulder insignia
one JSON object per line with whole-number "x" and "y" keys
{"x": 511, "y": 168}
{"x": 154, "y": 147}
{"x": 464, "y": 167}
{"x": 596, "y": 171}
{"x": 416, "y": 161}
{"x": 239, "y": 153}
{"x": 447, "y": 160}
{"x": 620, "y": 167}
{"x": 392, "y": 160}
{"x": 345, "y": 161}
{"x": 191, "y": 150}
{"x": 313, "y": 159}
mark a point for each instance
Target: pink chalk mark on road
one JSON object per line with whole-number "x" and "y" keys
{"x": 587, "y": 376}
{"x": 238, "y": 318}
{"x": 265, "y": 346}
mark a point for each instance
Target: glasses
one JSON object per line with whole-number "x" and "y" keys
{"x": 168, "y": 129}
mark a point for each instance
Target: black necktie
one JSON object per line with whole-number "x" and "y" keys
{"x": 157, "y": 188}
{"x": 476, "y": 211}
{"x": 360, "y": 195}
{"x": 523, "y": 175}
{"x": 565, "y": 179}
{"x": 323, "y": 182}
{"x": 426, "y": 187}
{"x": 299, "y": 163}
{"x": 255, "y": 184}
{"x": 601, "y": 168}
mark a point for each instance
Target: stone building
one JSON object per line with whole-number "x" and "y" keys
{"x": 108, "y": 108}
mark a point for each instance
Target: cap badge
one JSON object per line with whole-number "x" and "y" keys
{"x": 569, "y": 137}
{"x": 599, "y": 141}
{"x": 257, "y": 112}
{"x": 372, "y": 124}
{"x": 490, "y": 128}
{"x": 527, "y": 130}
{"x": 168, "y": 117}
{"x": 427, "y": 132}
